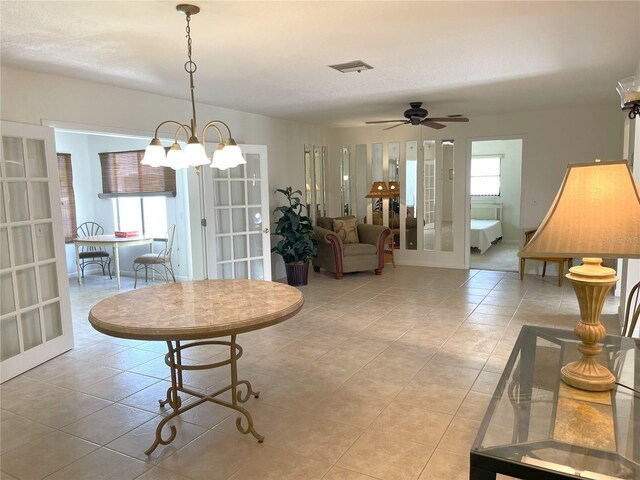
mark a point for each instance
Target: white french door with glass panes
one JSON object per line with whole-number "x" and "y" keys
{"x": 237, "y": 217}
{"x": 35, "y": 312}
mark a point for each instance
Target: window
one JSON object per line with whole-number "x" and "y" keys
{"x": 67, "y": 197}
{"x": 485, "y": 175}
{"x": 122, "y": 174}
{"x": 138, "y": 192}
{"x": 147, "y": 215}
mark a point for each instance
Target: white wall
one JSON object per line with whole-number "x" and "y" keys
{"x": 510, "y": 173}
{"x": 34, "y": 98}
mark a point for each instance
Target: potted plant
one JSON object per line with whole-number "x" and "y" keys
{"x": 297, "y": 245}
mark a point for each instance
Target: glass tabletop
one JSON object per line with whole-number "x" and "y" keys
{"x": 539, "y": 423}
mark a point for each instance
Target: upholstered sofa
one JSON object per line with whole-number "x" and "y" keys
{"x": 339, "y": 257}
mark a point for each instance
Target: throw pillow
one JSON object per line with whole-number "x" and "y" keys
{"x": 346, "y": 229}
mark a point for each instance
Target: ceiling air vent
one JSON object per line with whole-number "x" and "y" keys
{"x": 355, "y": 66}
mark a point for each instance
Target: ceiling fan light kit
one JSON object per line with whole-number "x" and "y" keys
{"x": 226, "y": 155}
{"x": 416, "y": 115}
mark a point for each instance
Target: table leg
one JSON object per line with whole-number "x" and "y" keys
{"x": 78, "y": 264}
{"x": 174, "y": 360}
{"x": 116, "y": 259}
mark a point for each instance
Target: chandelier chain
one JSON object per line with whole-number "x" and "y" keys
{"x": 190, "y": 65}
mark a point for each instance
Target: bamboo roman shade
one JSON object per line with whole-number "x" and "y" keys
{"x": 67, "y": 197}
{"x": 123, "y": 174}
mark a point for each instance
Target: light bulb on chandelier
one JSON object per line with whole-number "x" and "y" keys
{"x": 227, "y": 155}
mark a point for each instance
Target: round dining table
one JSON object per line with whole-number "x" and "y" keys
{"x": 196, "y": 314}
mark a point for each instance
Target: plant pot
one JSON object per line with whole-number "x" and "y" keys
{"x": 297, "y": 273}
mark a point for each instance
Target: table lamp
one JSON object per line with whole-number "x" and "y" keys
{"x": 596, "y": 213}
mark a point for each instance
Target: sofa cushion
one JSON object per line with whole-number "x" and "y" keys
{"x": 359, "y": 249}
{"x": 346, "y": 229}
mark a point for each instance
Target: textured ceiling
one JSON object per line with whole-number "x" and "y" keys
{"x": 271, "y": 58}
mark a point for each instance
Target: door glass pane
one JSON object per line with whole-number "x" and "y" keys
{"x": 7, "y": 302}
{"x": 18, "y": 202}
{"x": 253, "y": 165}
{"x": 3, "y": 212}
{"x": 257, "y": 270}
{"x": 9, "y": 343}
{"x": 22, "y": 245}
{"x": 26, "y": 287}
{"x": 308, "y": 177}
{"x": 253, "y": 192}
{"x": 5, "y": 260}
{"x": 37, "y": 163}
{"x": 319, "y": 180}
{"x": 221, "y": 192}
{"x": 240, "y": 270}
{"x": 40, "y": 200}
{"x": 255, "y": 244}
{"x": 31, "y": 331}
{"x": 362, "y": 186}
{"x": 255, "y": 219}
{"x": 411, "y": 156}
{"x": 13, "y": 157}
{"x": 345, "y": 177}
{"x": 239, "y": 220}
{"x": 223, "y": 222}
{"x": 225, "y": 270}
{"x": 217, "y": 173}
{"x": 52, "y": 321}
{"x": 48, "y": 281}
{"x": 239, "y": 247}
{"x": 237, "y": 172}
{"x": 446, "y": 227}
{"x": 429, "y": 195}
{"x": 223, "y": 248}
{"x": 44, "y": 241}
{"x": 237, "y": 193}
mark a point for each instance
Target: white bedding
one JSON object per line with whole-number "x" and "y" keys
{"x": 483, "y": 232}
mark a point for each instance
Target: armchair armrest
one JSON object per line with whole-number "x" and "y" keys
{"x": 324, "y": 236}
{"x": 372, "y": 234}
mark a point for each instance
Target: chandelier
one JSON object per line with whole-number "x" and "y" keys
{"x": 226, "y": 155}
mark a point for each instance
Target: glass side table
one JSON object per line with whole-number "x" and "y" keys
{"x": 537, "y": 427}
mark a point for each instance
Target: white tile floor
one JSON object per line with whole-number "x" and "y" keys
{"x": 379, "y": 377}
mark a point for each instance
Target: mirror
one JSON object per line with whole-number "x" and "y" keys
{"x": 345, "y": 176}
{"x": 394, "y": 161}
{"x": 446, "y": 226}
{"x": 430, "y": 169}
{"x": 319, "y": 181}
{"x": 360, "y": 182}
{"x": 411, "y": 197}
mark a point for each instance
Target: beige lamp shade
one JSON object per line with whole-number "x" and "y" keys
{"x": 378, "y": 190}
{"x": 596, "y": 213}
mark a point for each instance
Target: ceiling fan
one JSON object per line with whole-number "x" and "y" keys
{"x": 417, "y": 115}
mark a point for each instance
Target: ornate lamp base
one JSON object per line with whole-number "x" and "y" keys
{"x": 591, "y": 282}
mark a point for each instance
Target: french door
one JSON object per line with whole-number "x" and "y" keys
{"x": 35, "y": 312}
{"x": 237, "y": 212}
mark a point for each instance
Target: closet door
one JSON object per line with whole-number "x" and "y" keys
{"x": 35, "y": 312}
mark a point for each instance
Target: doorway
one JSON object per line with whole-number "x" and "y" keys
{"x": 495, "y": 199}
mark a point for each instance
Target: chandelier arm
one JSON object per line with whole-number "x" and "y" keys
{"x": 206, "y": 127}
{"x": 182, "y": 126}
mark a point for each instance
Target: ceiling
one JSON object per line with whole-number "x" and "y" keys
{"x": 267, "y": 57}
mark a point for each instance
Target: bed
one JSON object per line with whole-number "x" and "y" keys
{"x": 486, "y": 225}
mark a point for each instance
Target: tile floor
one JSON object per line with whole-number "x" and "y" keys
{"x": 377, "y": 378}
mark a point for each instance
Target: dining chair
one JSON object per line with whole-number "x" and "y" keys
{"x": 92, "y": 255}
{"x": 159, "y": 263}
{"x": 560, "y": 261}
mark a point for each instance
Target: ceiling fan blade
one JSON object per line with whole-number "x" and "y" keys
{"x": 394, "y": 126}
{"x": 385, "y": 121}
{"x": 455, "y": 115}
{"x": 447, "y": 119}
{"x": 429, "y": 123}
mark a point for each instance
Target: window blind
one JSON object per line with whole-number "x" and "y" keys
{"x": 67, "y": 197}
{"x": 122, "y": 174}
